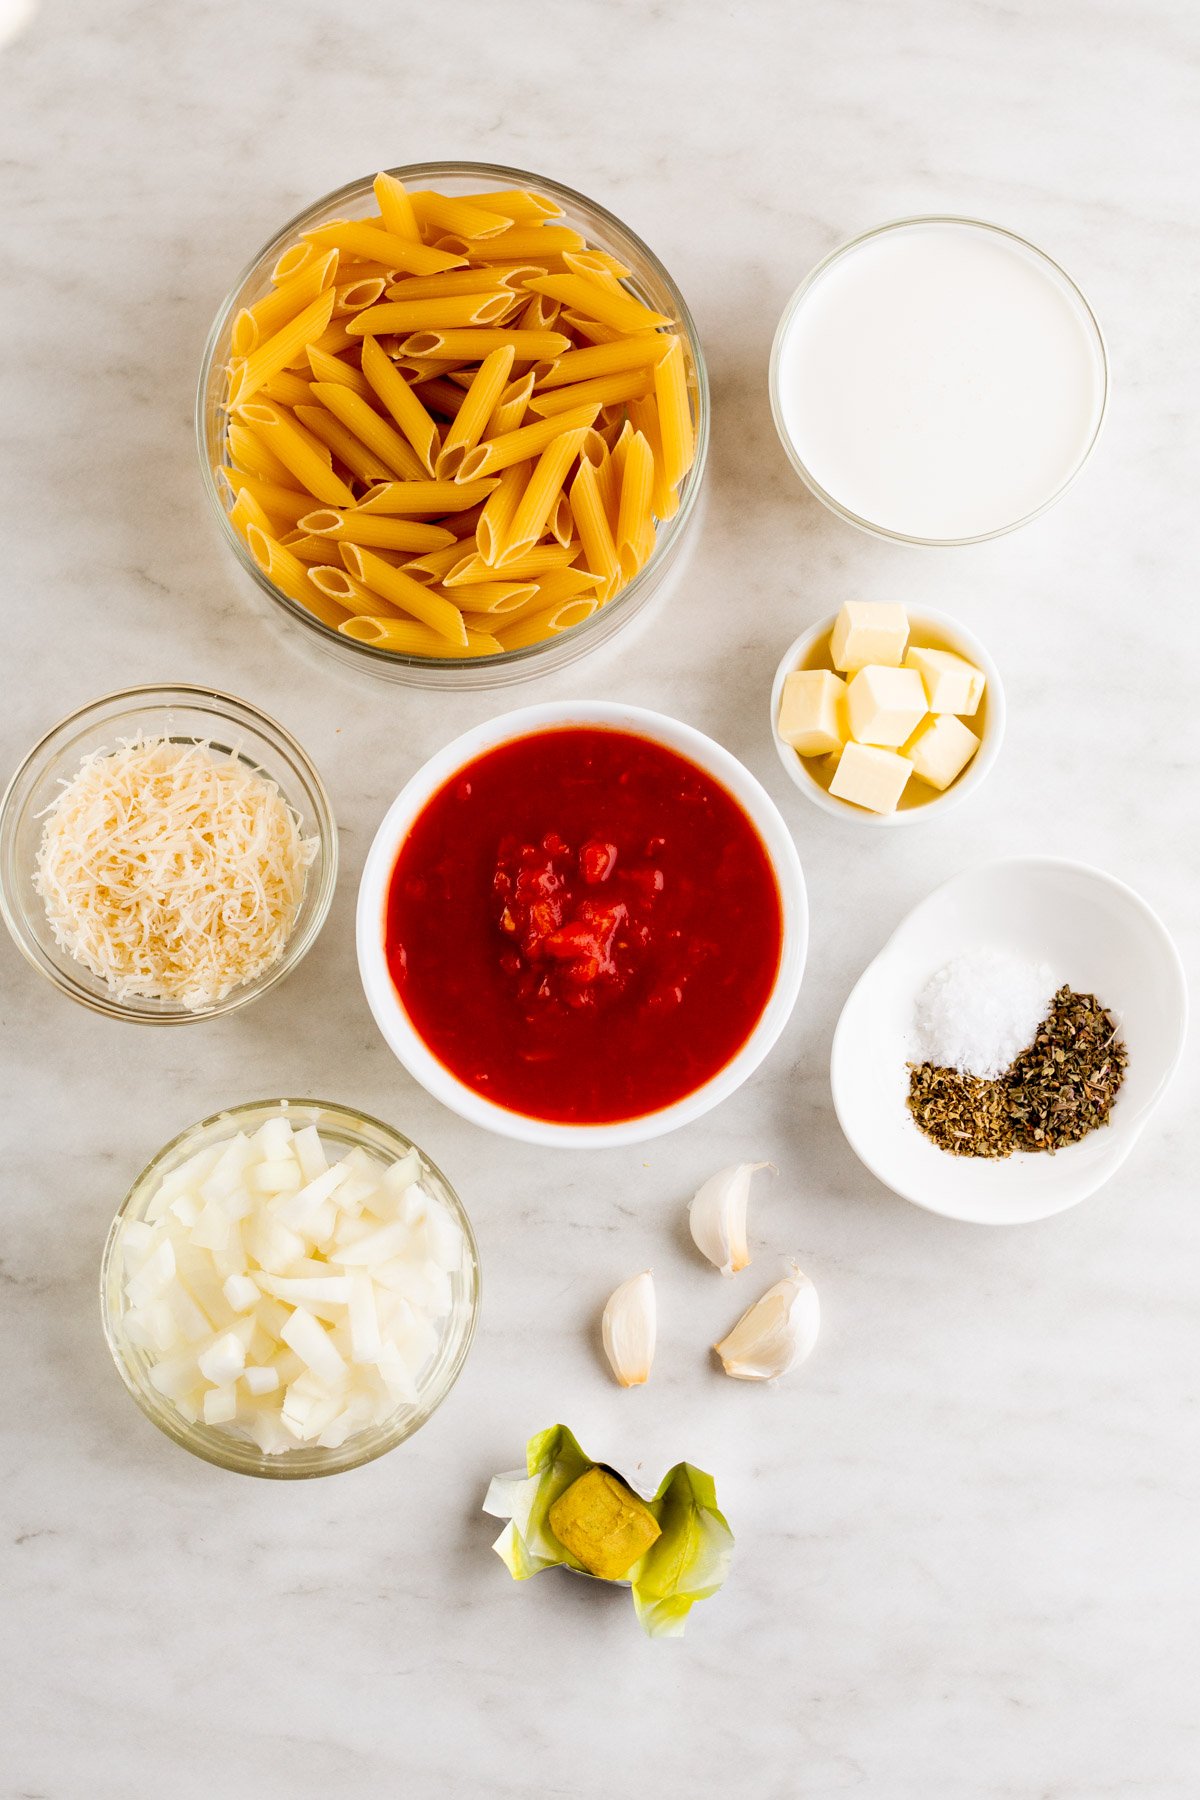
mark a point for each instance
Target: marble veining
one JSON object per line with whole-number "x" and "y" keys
{"x": 967, "y": 1552}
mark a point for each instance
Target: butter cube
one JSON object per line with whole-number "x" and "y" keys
{"x": 868, "y": 631}
{"x": 885, "y": 706}
{"x": 952, "y": 684}
{"x": 874, "y": 779}
{"x": 940, "y": 749}
{"x": 812, "y": 713}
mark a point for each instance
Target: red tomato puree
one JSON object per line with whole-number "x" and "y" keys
{"x": 583, "y": 926}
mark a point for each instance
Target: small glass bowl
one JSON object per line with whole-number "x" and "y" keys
{"x": 183, "y": 713}
{"x": 347, "y": 1129}
{"x": 649, "y": 281}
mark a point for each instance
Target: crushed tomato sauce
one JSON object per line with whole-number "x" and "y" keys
{"x": 583, "y": 926}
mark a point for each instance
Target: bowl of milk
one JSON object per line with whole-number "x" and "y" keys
{"x": 938, "y": 381}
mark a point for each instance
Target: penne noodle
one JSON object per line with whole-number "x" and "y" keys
{"x": 531, "y": 567}
{"x": 633, "y": 513}
{"x": 608, "y": 484}
{"x": 279, "y": 565}
{"x": 375, "y": 245}
{"x": 250, "y": 453}
{"x": 555, "y": 587}
{"x": 307, "y": 460}
{"x": 603, "y": 359}
{"x": 465, "y": 218}
{"x": 457, "y": 282}
{"x": 353, "y": 296}
{"x": 334, "y": 339}
{"x": 295, "y": 258}
{"x": 288, "y": 388}
{"x": 452, "y": 312}
{"x": 361, "y": 462}
{"x": 512, "y": 407}
{"x": 523, "y": 240}
{"x": 340, "y": 586}
{"x": 498, "y": 512}
{"x": 332, "y": 368}
{"x": 246, "y": 511}
{"x": 273, "y": 356}
{"x": 595, "y": 533}
{"x": 483, "y": 394}
{"x": 596, "y": 263}
{"x": 345, "y": 526}
{"x": 395, "y": 497}
{"x": 545, "y": 485}
{"x": 518, "y": 203}
{"x": 561, "y": 524}
{"x": 528, "y": 440}
{"x": 377, "y": 434}
{"x": 605, "y": 390}
{"x": 611, "y": 306}
{"x": 396, "y": 208}
{"x": 643, "y": 415}
{"x": 410, "y": 415}
{"x": 254, "y": 325}
{"x": 494, "y": 597}
{"x": 434, "y": 564}
{"x": 590, "y": 330}
{"x": 674, "y": 414}
{"x": 564, "y": 615}
{"x": 313, "y": 549}
{"x": 421, "y": 602}
{"x": 415, "y": 640}
{"x": 539, "y": 313}
{"x": 282, "y": 504}
{"x": 450, "y": 346}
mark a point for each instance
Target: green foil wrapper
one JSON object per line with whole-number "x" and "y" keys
{"x": 687, "y": 1563}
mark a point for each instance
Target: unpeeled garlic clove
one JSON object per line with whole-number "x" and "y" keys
{"x": 717, "y": 1217}
{"x": 629, "y": 1328}
{"x": 776, "y": 1333}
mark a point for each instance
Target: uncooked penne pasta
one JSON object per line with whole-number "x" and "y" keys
{"x": 488, "y": 383}
{"x": 633, "y": 512}
{"x": 408, "y": 638}
{"x": 412, "y": 597}
{"x": 346, "y": 526}
{"x": 605, "y": 390}
{"x": 451, "y": 427}
{"x": 298, "y": 452}
{"x": 406, "y": 409}
{"x": 377, "y": 434}
{"x": 528, "y": 440}
{"x": 611, "y": 306}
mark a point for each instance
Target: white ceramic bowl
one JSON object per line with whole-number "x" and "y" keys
{"x": 393, "y": 1020}
{"x": 924, "y": 623}
{"x": 1099, "y": 937}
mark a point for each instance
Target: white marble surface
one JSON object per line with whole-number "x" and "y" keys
{"x": 967, "y": 1560}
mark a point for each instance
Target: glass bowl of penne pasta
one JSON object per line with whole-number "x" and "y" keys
{"x": 453, "y": 421}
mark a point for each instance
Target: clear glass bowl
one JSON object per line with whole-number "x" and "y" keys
{"x": 649, "y": 281}
{"x": 183, "y": 713}
{"x": 346, "y": 1129}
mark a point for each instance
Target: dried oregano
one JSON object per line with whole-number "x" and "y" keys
{"x": 1055, "y": 1093}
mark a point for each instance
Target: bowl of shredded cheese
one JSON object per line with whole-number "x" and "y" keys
{"x": 166, "y": 854}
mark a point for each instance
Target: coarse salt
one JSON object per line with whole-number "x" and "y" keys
{"x": 979, "y": 1012}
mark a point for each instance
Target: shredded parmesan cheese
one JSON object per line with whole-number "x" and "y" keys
{"x": 172, "y": 871}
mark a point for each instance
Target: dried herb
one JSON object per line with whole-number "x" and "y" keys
{"x": 1064, "y": 1085}
{"x": 1055, "y": 1093}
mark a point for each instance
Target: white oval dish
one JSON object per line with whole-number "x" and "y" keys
{"x": 1098, "y": 936}
{"x": 922, "y": 621}
{"x": 393, "y": 1020}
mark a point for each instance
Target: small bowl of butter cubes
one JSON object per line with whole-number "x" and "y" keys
{"x": 882, "y": 713}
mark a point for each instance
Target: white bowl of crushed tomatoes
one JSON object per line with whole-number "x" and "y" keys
{"x": 582, "y": 924}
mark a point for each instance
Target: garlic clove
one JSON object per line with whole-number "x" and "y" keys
{"x": 717, "y": 1217}
{"x": 776, "y": 1333}
{"x": 629, "y": 1328}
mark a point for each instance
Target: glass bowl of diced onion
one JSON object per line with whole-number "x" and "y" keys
{"x": 251, "y": 1440}
{"x": 179, "y": 715}
{"x": 645, "y": 280}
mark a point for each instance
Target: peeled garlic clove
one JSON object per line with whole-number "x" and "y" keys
{"x": 629, "y": 1328}
{"x": 776, "y": 1333}
{"x": 717, "y": 1217}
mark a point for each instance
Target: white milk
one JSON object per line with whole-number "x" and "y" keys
{"x": 940, "y": 380}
